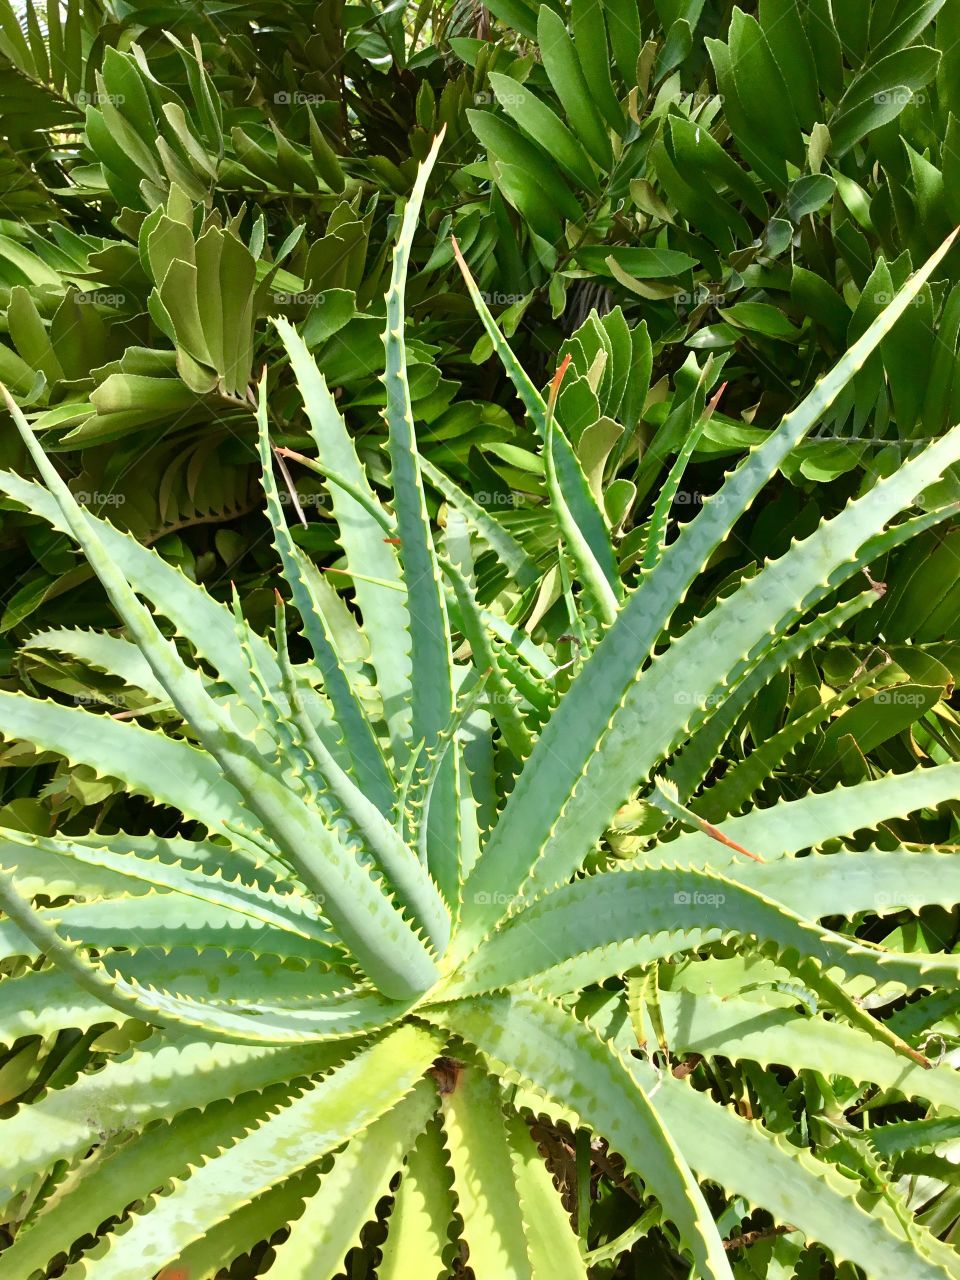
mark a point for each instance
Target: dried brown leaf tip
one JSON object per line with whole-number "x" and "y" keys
{"x": 446, "y": 1072}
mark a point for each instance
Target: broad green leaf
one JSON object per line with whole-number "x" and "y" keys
{"x": 566, "y": 75}
{"x": 546, "y": 128}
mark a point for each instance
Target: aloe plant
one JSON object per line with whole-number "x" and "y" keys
{"x": 371, "y": 948}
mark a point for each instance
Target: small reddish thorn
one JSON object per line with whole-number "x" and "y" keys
{"x": 715, "y": 400}
{"x": 558, "y": 376}
{"x": 716, "y": 834}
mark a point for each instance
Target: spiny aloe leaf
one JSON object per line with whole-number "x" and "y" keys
{"x": 369, "y": 765}
{"x": 437, "y": 762}
{"x": 891, "y": 1140}
{"x": 258, "y": 1025}
{"x": 846, "y": 883}
{"x": 166, "y": 770}
{"x": 583, "y": 932}
{"x": 160, "y": 921}
{"x": 104, "y": 1186}
{"x": 791, "y": 825}
{"x": 646, "y": 709}
{"x": 476, "y": 1137}
{"x": 552, "y": 1244}
{"x": 417, "y": 1230}
{"x": 500, "y": 541}
{"x": 577, "y": 512}
{"x": 246, "y": 1228}
{"x": 325, "y": 1115}
{"x": 432, "y": 680}
{"x": 104, "y": 652}
{"x": 583, "y": 527}
{"x": 410, "y": 880}
{"x": 160, "y": 1079}
{"x": 354, "y": 902}
{"x": 535, "y": 1042}
{"x": 693, "y": 763}
{"x": 567, "y": 747}
{"x": 267, "y": 908}
{"x": 698, "y": 660}
{"x": 795, "y": 1187}
{"x": 384, "y": 611}
{"x": 657, "y": 535}
{"x": 44, "y": 1002}
{"x": 333, "y": 1218}
{"x": 744, "y": 1028}
{"x": 205, "y": 623}
{"x": 487, "y": 664}
{"x": 744, "y": 779}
